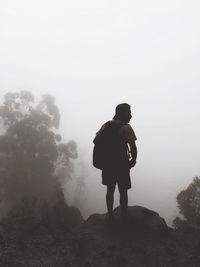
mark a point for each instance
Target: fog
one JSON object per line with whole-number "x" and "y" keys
{"x": 93, "y": 55}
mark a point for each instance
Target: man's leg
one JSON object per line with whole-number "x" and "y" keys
{"x": 110, "y": 199}
{"x": 123, "y": 200}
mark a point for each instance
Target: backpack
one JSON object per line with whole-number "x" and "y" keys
{"x": 109, "y": 149}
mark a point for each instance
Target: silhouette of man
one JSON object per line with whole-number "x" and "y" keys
{"x": 119, "y": 172}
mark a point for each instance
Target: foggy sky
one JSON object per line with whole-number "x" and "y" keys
{"x": 92, "y": 55}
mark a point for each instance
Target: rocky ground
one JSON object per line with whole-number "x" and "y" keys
{"x": 143, "y": 240}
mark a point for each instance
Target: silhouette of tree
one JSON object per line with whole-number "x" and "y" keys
{"x": 188, "y": 201}
{"x": 30, "y": 148}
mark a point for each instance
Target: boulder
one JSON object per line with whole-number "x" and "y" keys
{"x": 139, "y": 219}
{"x": 143, "y": 218}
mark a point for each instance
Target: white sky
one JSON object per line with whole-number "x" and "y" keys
{"x": 92, "y": 55}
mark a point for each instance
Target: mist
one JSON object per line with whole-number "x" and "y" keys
{"x": 92, "y": 56}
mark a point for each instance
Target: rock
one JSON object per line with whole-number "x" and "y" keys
{"x": 138, "y": 219}
{"x": 143, "y": 218}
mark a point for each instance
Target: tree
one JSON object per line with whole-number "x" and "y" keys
{"x": 188, "y": 201}
{"x": 31, "y": 150}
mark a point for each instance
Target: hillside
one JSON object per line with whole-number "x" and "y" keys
{"x": 143, "y": 240}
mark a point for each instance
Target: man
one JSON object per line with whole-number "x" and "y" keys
{"x": 123, "y": 159}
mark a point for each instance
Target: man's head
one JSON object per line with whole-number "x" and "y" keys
{"x": 123, "y": 112}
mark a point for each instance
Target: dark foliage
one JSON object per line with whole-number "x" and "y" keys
{"x": 38, "y": 236}
{"x": 28, "y": 219}
{"x": 188, "y": 201}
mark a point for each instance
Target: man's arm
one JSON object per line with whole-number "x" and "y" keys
{"x": 133, "y": 150}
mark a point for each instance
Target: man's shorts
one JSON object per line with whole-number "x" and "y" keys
{"x": 120, "y": 177}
